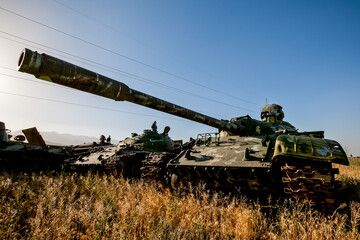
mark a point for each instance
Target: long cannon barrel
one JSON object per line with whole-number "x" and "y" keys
{"x": 52, "y": 69}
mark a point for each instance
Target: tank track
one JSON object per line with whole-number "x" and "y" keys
{"x": 154, "y": 166}
{"x": 126, "y": 164}
{"x": 312, "y": 181}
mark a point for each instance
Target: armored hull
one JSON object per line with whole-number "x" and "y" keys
{"x": 225, "y": 163}
{"x": 296, "y": 165}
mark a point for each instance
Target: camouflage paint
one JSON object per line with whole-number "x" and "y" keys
{"x": 51, "y": 69}
{"x": 305, "y": 147}
{"x": 147, "y": 142}
{"x": 227, "y": 162}
{"x": 244, "y": 152}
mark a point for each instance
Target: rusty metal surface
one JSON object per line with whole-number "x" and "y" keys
{"x": 34, "y": 138}
{"x": 315, "y": 183}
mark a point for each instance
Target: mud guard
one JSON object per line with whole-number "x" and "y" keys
{"x": 309, "y": 148}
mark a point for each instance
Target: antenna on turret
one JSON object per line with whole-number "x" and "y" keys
{"x": 266, "y": 102}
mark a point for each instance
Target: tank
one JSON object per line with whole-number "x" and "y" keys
{"x": 245, "y": 153}
{"x": 29, "y": 152}
{"x": 135, "y": 156}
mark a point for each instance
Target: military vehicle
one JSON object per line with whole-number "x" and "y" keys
{"x": 89, "y": 147}
{"x": 132, "y": 157}
{"x": 246, "y": 153}
{"x": 29, "y": 152}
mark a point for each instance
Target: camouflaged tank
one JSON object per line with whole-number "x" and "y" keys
{"x": 29, "y": 152}
{"x": 246, "y": 153}
{"x": 132, "y": 157}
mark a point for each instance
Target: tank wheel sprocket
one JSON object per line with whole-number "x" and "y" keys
{"x": 127, "y": 164}
{"x": 154, "y": 166}
{"x": 314, "y": 182}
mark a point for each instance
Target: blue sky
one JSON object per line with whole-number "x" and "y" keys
{"x": 303, "y": 55}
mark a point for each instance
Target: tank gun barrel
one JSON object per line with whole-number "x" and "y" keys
{"x": 52, "y": 69}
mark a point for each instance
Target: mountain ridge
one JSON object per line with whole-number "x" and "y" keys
{"x": 55, "y": 138}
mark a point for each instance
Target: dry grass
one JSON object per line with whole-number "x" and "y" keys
{"x": 92, "y": 206}
{"x": 350, "y": 178}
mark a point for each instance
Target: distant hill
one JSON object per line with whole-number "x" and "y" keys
{"x": 54, "y": 138}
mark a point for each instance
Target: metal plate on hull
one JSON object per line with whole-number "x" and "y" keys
{"x": 230, "y": 152}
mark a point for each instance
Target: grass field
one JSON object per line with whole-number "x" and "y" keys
{"x": 92, "y": 206}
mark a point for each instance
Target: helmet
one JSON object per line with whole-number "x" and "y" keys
{"x": 272, "y": 113}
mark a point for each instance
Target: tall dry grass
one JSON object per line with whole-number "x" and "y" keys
{"x": 350, "y": 178}
{"x": 93, "y": 206}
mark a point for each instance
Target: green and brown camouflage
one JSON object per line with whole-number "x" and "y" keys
{"x": 246, "y": 153}
{"x": 274, "y": 114}
{"x": 128, "y": 156}
{"x": 149, "y": 141}
{"x": 51, "y": 69}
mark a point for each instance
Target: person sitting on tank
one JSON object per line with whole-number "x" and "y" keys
{"x": 166, "y": 131}
{"x": 102, "y": 139}
{"x": 274, "y": 114}
{"x": 154, "y": 127}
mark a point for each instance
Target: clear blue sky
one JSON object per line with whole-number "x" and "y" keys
{"x": 303, "y": 55}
